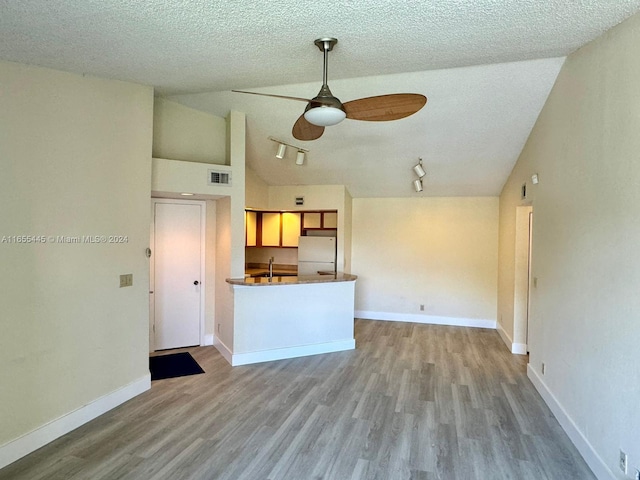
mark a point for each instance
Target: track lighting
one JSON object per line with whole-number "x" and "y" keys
{"x": 282, "y": 149}
{"x": 420, "y": 172}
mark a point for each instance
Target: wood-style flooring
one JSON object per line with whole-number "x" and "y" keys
{"x": 419, "y": 402}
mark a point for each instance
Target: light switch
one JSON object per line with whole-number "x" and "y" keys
{"x": 126, "y": 280}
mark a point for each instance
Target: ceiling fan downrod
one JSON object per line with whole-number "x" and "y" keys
{"x": 325, "y": 109}
{"x": 325, "y": 45}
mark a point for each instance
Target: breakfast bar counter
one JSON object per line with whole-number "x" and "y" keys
{"x": 293, "y": 279}
{"x": 292, "y": 316}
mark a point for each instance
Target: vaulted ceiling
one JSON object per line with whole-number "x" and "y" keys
{"x": 486, "y": 67}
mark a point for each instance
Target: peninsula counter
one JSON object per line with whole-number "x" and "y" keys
{"x": 291, "y": 316}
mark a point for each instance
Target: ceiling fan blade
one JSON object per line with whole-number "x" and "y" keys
{"x": 303, "y": 130}
{"x": 276, "y": 96}
{"x": 385, "y": 107}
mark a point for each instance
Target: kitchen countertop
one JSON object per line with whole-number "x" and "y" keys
{"x": 292, "y": 279}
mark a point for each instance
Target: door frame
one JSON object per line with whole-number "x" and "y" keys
{"x": 521, "y": 279}
{"x": 203, "y": 224}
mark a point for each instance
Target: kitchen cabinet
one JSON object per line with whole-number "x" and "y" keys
{"x": 312, "y": 220}
{"x": 251, "y": 228}
{"x": 270, "y": 229}
{"x": 330, "y": 220}
{"x": 291, "y": 222}
{"x": 282, "y": 229}
{"x": 323, "y": 222}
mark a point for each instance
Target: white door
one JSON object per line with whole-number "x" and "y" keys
{"x": 177, "y": 274}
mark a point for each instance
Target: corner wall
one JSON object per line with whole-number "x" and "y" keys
{"x": 584, "y": 312}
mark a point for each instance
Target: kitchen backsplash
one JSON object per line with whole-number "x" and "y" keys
{"x": 281, "y": 256}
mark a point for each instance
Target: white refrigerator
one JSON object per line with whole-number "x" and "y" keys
{"x": 316, "y": 254}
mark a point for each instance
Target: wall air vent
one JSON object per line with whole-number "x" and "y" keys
{"x": 219, "y": 178}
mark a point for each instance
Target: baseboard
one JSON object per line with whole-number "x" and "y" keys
{"x": 207, "y": 340}
{"x": 515, "y": 348}
{"x": 427, "y": 319}
{"x": 224, "y": 350}
{"x": 291, "y": 352}
{"x": 30, "y": 442}
{"x": 519, "y": 348}
{"x": 599, "y": 468}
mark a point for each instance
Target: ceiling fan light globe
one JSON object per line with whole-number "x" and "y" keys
{"x": 324, "y": 116}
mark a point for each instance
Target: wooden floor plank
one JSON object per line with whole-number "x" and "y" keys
{"x": 412, "y": 401}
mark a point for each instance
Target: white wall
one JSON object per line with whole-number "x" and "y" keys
{"x": 585, "y": 310}
{"x": 438, "y": 252}
{"x": 76, "y": 161}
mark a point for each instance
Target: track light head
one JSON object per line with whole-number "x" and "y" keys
{"x": 419, "y": 171}
{"x": 282, "y": 149}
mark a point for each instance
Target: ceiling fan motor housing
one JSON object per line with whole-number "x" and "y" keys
{"x": 325, "y": 110}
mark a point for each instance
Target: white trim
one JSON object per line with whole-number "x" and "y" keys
{"x": 597, "y": 465}
{"x": 223, "y": 349}
{"x": 203, "y": 243}
{"x": 291, "y": 352}
{"x": 428, "y": 319}
{"x": 515, "y": 348}
{"x": 208, "y": 340}
{"x": 504, "y": 336}
{"x": 30, "y": 442}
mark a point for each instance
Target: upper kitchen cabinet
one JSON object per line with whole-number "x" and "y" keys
{"x": 270, "y": 229}
{"x": 329, "y": 219}
{"x": 251, "y": 223}
{"x": 291, "y": 222}
{"x": 282, "y": 229}
{"x": 311, "y": 220}
{"x": 324, "y": 222}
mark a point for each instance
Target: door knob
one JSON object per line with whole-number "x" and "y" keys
{"x": 196, "y": 282}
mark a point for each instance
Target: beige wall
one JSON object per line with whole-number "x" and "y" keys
{"x": 76, "y": 158}
{"x": 585, "y": 310}
{"x": 182, "y": 133}
{"x": 257, "y": 191}
{"x": 438, "y": 252}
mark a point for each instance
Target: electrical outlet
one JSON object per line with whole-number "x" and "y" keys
{"x": 421, "y": 308}
{"x": 623, "y": 462}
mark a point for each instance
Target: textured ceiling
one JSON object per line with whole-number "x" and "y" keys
{"x": 470, "y": 132}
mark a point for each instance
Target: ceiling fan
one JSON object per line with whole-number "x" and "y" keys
{"x": 325, "y": 110}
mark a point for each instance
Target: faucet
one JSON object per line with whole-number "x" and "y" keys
{"x": 271, "y": 268}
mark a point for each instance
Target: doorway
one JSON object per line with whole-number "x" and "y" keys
{"x": 176, "y": 274}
